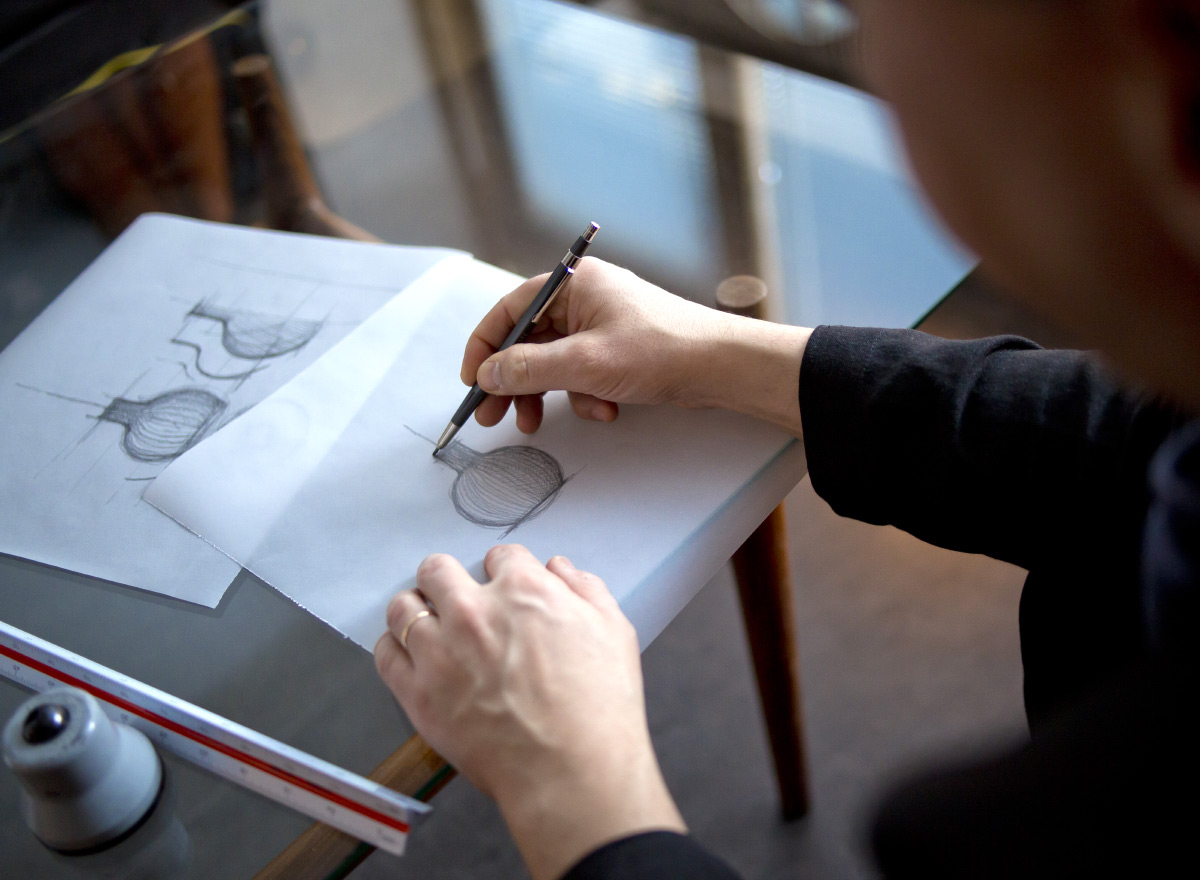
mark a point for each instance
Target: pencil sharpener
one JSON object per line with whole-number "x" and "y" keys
{"x": 87, "y": 782}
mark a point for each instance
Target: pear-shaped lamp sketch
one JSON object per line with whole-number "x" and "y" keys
{"x": 253, "y": 335}
{"x": 504, "y": 488}
{"x": 165, "y": 427}
{"x": 159, "y": 429}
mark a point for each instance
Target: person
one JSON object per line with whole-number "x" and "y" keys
{"x": 1060, "y": 140}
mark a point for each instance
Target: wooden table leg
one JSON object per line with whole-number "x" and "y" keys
{"x": 765, "y": 590}
{"x": 323, "y": 853}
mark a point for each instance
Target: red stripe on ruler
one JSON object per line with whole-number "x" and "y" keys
{"x": 207, "y": 741}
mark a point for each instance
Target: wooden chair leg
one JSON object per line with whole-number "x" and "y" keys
{"x": 764, "y": 587}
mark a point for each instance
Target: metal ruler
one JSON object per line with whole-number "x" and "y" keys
{"x": 351, "y": 803}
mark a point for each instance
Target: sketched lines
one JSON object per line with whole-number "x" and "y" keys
{"x": 504, "y": 488}
{"x": 166, "y": 426}
{"x": 253, "y": 335}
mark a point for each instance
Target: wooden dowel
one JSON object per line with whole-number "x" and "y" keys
{"x": 323, "y": 852}
{"x": 744, "y": 295}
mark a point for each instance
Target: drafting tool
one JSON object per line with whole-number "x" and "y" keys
{"x": 563, "y": 272}
{"x": 351, "y": 803}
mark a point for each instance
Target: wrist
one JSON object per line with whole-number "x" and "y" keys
{"x": 559, "y": 818}
{"x": 753, "y": 368}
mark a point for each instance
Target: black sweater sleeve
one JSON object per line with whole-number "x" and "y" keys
{"x": 654, "y": 855}
{"x": 991, "y": 446}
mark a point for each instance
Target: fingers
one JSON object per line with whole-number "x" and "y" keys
{"x": 407, "y": 613}
{"x": 496, "y": 325}
{"x": 506, "y": 558}
{"x": 441, "y": 579}
{"x": 392, "y": 660}
{"x": 530, "y": 408}
{"x": 492, "y": 410}
{"x": 592, "y": 408}
{"x": 529, "y": 413}
{"x": 393, "y": 665}
{"x": 583, "y": 583}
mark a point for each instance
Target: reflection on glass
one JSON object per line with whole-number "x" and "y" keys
{"x": 857, "y": 244}
{"x": 811, "y": 22}
{"x": 606, "y": 124}
{"x": 610, "y": 119}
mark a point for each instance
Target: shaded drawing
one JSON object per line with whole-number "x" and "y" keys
{"x": 245, "y": 374}
{"x": 166, "y": 426}
{"x": 504, "y": 488}
{"x": 161, "y": 428}
{"x": 254, "y": 335}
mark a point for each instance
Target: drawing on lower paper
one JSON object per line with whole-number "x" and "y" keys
{"x": 254, "y": 335}
{"x": 247, "y": 335}
{"x": 166, "y": 426}
{"x": 161, "y": 428}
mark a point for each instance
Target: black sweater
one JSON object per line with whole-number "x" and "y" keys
{"x": 1038, "y": 458}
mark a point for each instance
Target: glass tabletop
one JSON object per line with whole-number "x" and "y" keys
{"x": 499, "y": 127}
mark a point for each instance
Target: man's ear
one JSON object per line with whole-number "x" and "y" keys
{"x": 1158, "y": 106}
{"x": 1168, "y": 31}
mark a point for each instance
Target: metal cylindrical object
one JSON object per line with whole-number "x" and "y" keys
{"x": 86, "y": 781}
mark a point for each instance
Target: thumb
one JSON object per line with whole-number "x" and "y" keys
{"x": 533, "y": 368}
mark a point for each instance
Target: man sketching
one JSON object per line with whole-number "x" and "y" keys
{"x": 1060, "y": 140}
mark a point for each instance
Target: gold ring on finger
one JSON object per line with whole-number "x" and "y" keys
{"x": 424, "y": 612}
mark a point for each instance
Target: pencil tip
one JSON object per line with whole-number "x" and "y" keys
{"x": 444, "y": 440}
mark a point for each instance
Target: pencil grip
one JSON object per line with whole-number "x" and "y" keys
{"x": 474, "y": 397}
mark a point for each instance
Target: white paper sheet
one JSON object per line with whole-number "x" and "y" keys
{"x": 325, "y": 491}
{"x": 215, "y": 318}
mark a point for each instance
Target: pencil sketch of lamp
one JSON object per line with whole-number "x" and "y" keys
{"x": 504, "y": 488}
{"x": 166, "y": 426}
{"x": 253, "y": 335}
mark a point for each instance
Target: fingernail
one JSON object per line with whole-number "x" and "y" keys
{"x": 489, "y": 377}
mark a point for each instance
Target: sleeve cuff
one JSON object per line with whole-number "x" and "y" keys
{"x": 653, "y": 855}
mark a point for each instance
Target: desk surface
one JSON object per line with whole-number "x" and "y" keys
{"x": 495, "y": 126}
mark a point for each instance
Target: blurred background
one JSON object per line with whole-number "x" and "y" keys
{"x": 709, "y": 138}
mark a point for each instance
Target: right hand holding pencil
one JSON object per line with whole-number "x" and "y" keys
{"x": 611, "y": 338}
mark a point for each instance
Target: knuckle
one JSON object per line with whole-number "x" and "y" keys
{"x": 502, "y": 552}
{"x": 589, "y": 353}
{"x": 473, "y": 619}
{"x": 534, "y": 585}
{"x": 519, "y": 369}
{"x": 457, "y": 604}
{"x": 432, "y": 565}
{"x": 384, "y": 659}
{"x": 395, "y": 611}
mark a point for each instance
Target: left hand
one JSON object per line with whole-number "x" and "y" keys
{"x": 531, "y": 686}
